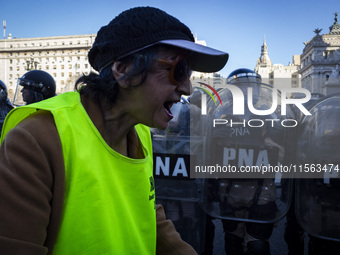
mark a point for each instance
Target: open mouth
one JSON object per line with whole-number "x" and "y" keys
{"x": 167, "y": 107}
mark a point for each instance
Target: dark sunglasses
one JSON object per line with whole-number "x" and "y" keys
{"x": 180, "y": 69}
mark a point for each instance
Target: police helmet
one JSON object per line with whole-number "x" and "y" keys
{"x": 237, "y": 75}
{"x": 2, "y": 85}
{"x": 39, "y": 81}
{"x": 3, "y": 89}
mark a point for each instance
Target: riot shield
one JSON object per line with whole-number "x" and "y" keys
{"x": 318, "y": 186}
{"x": 250, "y": 144}
{"x": 180, "y": 195}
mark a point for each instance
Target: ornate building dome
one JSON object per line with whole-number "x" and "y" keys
{"x": 320, "y": 60}
{"x": 335, "y": 28}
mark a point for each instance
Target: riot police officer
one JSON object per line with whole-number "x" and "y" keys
{"x": 176, "y": 191}
{"x": 247, "y": 205}
{"x": 5, "y": 104}
{"x": 35, "y": 86}
{"x": 317, "y": 190}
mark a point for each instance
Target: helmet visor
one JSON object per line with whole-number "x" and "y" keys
{"x": 25, "y": 93}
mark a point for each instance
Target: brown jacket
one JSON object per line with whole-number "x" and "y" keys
{"x": 32, "y": 190}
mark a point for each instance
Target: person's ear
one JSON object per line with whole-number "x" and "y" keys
{"x": 119, "y": 70}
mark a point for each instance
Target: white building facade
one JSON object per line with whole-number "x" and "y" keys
{"x": 63, "y": 57}
{"x": 278, "y": 75}
{"x": 319, "y": 59}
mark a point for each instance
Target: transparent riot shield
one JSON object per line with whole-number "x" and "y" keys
{"x": 180, "y": 195}
{"x": 318, "y": 160}
{"x": 250, "y": 148}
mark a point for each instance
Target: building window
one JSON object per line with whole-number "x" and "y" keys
{"x": 325, "y": 54}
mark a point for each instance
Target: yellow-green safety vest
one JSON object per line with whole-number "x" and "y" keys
{"x": 109, "y": 204}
